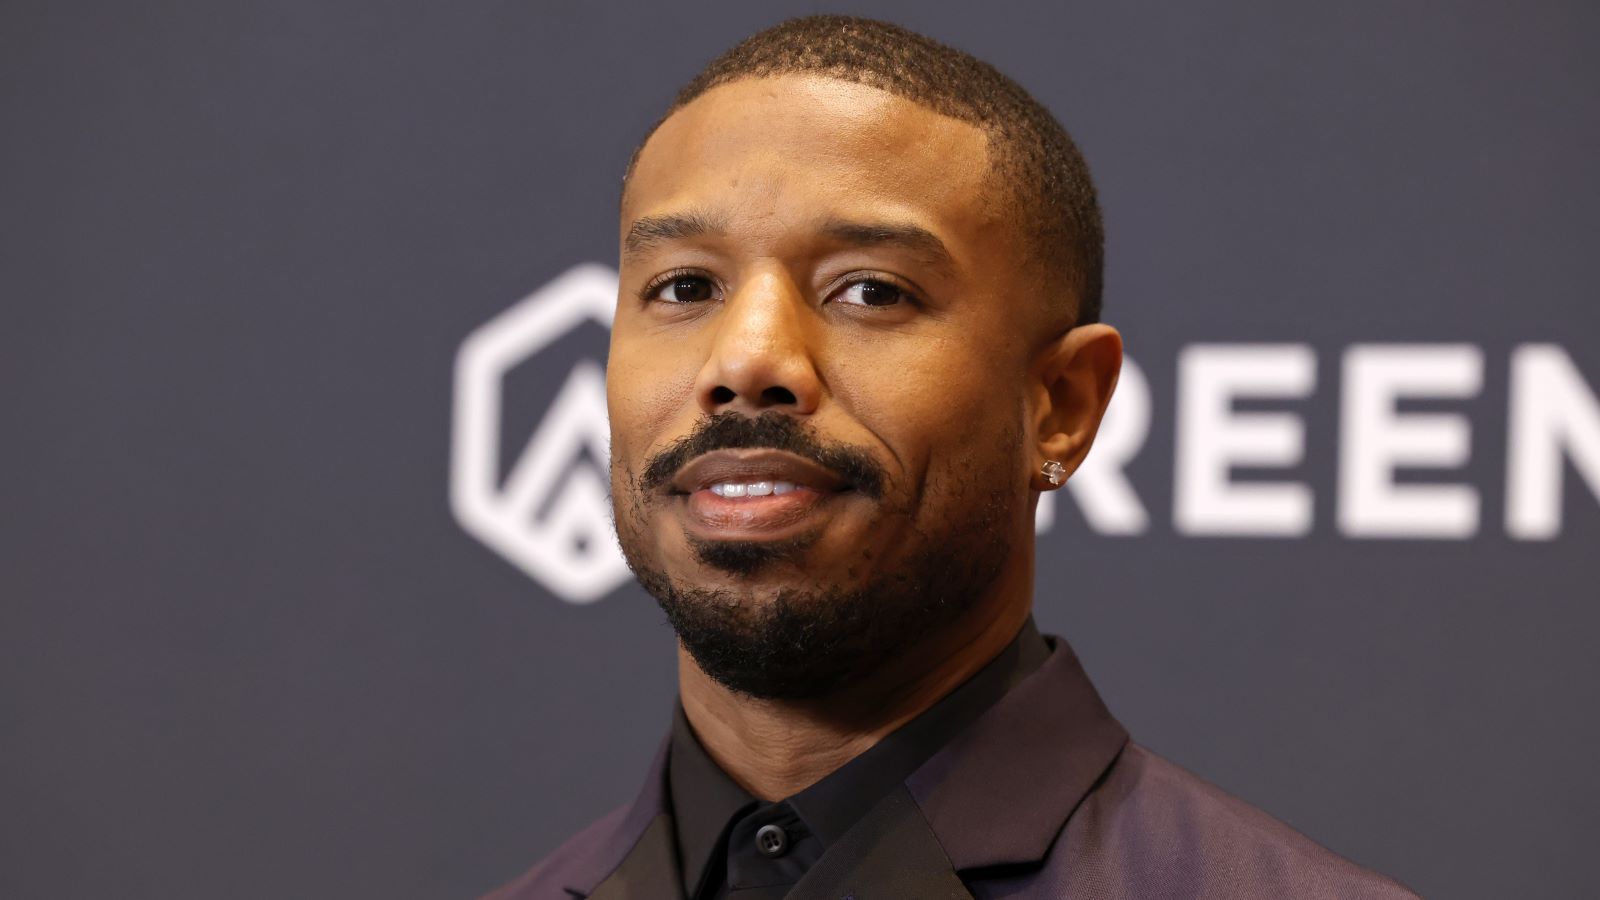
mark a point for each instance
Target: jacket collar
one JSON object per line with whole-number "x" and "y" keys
{"x": 626, "y": 830}
{"x": 1001, "y": 791}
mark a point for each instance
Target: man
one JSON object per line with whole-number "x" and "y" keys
{"x": 857, "y": 336}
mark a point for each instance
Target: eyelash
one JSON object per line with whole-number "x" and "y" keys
{"x": 660, "y": 281}
{"x": 907, "y": 296}
{"x": 648, "y": 294}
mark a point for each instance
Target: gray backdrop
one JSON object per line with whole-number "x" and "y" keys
{"x": 247, "y": 649}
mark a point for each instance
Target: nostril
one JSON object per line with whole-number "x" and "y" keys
{"x": 722, "y": 394}
{"x": 779, "y": 395}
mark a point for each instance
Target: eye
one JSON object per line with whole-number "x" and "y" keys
{"x": 682, "y": 289}
{"x": 872, "y": 292}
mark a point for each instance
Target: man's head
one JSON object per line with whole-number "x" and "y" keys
{"x": 852, "y": 260}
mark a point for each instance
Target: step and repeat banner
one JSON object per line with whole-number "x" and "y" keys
{"x": 308, "y": 584}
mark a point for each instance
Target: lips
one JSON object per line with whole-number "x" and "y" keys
{"x": 754, "y": 495}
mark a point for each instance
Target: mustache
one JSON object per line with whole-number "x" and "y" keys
{"x": 768, "y": 431}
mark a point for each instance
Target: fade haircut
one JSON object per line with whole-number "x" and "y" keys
{"x": 1044, "y": 177}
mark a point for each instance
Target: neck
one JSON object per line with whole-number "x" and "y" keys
{"x": 777, "y": 748}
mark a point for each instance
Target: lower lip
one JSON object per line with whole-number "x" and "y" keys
{"x": 753, "y": 518}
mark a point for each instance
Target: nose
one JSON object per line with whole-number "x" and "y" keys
{"x": 761, "y": 358}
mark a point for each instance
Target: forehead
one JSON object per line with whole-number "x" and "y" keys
{"x": 784, "y": 151}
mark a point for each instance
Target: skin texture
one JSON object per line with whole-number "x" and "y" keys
{"x": 959, "y": 389}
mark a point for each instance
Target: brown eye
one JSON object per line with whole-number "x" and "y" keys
{"x": 872, "y": 293}
{"x": 685, "y": 289}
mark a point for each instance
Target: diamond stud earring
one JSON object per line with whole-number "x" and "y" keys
{"x": 1053, "y": 472}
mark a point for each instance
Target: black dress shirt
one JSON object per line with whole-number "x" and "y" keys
{"x": 732, "y": 846}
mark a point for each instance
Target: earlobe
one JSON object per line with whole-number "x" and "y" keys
{"x": 1078, "y": 373}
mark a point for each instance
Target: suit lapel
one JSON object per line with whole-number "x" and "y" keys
{"x": 648, "y": 872}
{"x": 890, "y": 854}
{"x": 1000, "y": 793}
{"x": 633, "y": 859}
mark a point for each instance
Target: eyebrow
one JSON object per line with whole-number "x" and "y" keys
{"x": 904, "y": 235}
{"x": 652, "y": 231}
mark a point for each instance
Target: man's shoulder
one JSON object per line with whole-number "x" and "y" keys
{"x": 1154, "y": 829}
{"x": 575, "y": 862}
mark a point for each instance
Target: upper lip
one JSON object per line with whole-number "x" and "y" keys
{"x": 742, "y": 466}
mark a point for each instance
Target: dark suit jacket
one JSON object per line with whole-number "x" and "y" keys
{"x": 1043, "y": 797}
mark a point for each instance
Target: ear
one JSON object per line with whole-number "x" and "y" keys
{"x": 1073, "y": 378}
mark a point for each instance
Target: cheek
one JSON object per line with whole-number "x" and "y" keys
{"x": 940, "y": 406}
{"x": 647, "y": 389}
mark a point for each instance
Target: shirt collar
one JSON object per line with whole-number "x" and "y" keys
{"x": 705, "y": 800}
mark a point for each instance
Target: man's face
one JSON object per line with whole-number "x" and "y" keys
{"x": 817, "y": 380}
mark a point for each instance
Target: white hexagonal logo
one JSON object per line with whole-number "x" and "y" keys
{"x": 551, "y": 514}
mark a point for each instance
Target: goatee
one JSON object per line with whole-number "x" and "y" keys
{"x": 810, "y": 640}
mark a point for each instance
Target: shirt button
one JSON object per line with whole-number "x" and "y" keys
{"x": 772, "y": 841}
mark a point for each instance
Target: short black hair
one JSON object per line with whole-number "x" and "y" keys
{"x": 1039, "y": 165}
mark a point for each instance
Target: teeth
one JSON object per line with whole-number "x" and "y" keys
{"x": 752, "y": 489}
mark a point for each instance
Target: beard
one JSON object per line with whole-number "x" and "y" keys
{"x": 812, "y": 639}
